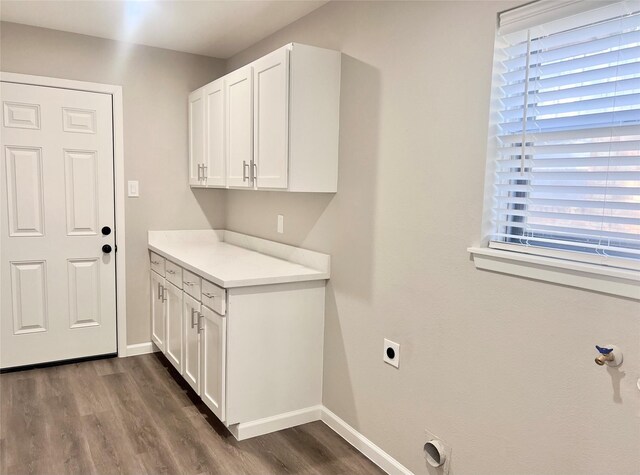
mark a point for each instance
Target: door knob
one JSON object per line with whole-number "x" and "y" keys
{"x": 106, "y": 230}
{"x": 106, "y": 249}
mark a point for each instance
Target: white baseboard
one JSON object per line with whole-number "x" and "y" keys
{"x": 246, "y": 430}
{"x": 364, "y": 445}
{"x": 141, "y": 349}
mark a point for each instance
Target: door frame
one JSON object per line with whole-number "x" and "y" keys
{"x": 119, "y": 184}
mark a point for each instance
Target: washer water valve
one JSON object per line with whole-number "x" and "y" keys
{"x": 609, "y": 355}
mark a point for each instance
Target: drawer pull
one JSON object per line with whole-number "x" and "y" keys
{"x": 207, "y": 294}
{"x": 189, "y": 283}
{"x": 171, "y": 271}
{"x": 155, "y": 262}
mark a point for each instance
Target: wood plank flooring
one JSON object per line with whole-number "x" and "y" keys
{"x": 136, "y": 416}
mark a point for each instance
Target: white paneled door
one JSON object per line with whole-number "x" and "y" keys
{"x": 58, "y": 280}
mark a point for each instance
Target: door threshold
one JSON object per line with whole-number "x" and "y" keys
{"x": 57, "y": 363}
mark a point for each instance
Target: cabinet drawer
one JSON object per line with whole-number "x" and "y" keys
{"x": 214, "y": 297}
{"x": 157, "y": 263}
{"x": 174, "y": 274}
{"x": 191, "y": 284}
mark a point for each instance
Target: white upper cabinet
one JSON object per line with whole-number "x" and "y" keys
{"x": 196, "y": 138}
{"x": 239, "y": 122}
{"x": 215, "y": 166}
{"x": 280, "y": 125}
{"x": 270, "y": 119}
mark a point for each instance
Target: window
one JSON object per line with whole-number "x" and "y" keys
{"x": 565, "y": 134}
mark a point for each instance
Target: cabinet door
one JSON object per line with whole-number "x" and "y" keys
{"x": 239, "y": 122}
{"x": 213, "y": 362}
{"x": 157, "y": 311}
{"x": 192, "y": 324}
{"x": 173, "y": 343}
{"x": 196, "y": 137}
{"x": 215, "y": 174}
{"x": 271, "y": 121}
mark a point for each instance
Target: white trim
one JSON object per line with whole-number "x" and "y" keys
{"x": 370, "y": 450}
{"x": 246, "y": 430}
{"x": 607, "y": 265}
{"x": 543, "y": 11}
{"x": 141, "y": 349}
{"x": 609, "y": 280}
{"x": 363, "y": 445}
{"x": 119, "y": 188}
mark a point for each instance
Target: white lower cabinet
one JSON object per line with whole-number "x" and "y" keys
{"x": 213, "y": 341}
{"x": 192, "y": 328}
{"x": 253, "y": 354}
{"x": 157, "y": 310}
{"x": 173, "y": 316}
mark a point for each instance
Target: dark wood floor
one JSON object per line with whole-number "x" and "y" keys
{"x": 135, "y": 416}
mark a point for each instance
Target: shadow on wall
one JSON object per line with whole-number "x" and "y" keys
{"x": 351, "y": 227}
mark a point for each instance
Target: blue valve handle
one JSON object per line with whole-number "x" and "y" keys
{"x": 604, "y": 351}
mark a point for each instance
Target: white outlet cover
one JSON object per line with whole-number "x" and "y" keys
{"x": 133, "y": 189}
{"x": 391, "y": 345}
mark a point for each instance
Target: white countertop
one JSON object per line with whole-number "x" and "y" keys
{"x": 231, "y": 259}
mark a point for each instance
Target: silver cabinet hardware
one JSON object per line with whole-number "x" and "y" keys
{"x": 207, "y": 294}
{"x": 193, "y": 314}
{"x": 189, "y": 283}
{"x": 169, "y": 271}
{"x": 245, "y": 165}
{"x": 200, "y": 317}
{"x": 155, "y": 262}
{"x": 164, "y": 296}
{"x": 204, "y": 172}
{"x": 159, "y": 291}
{"x": 255, "y": 171}
{"x": 199, "y": 176}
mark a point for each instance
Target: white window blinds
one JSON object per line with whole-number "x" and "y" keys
{"x": 566, "y": 138}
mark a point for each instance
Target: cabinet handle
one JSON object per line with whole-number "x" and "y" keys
{"x": 155, "y": 262}
{"x": 254, "y": 167}
{"x": 200, "y": 317}
{"x": 245, "y": 165}
{"x": 164, "y": 297}
{"x": 198, "y": 172}
{"x": 204, "y": 172}
{"x": 207, "y": 294}
{"x": 193, "y": 322}
{"x": 189, "y": 283}
{"x": 159, "y": 291}
{"x": 169, "y": 271}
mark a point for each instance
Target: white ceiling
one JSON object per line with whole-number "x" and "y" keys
{"x": 212, "y": 28}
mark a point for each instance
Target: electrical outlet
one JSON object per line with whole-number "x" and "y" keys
{"x": 281, "y": 223}
{"x": 391, "y": 353}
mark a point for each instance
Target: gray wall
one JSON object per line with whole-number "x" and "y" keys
{"x": 155, "y": 84}
{"x": 500, "y": 367}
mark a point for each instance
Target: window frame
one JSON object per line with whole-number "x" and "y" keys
{"x": 552, "y": 264}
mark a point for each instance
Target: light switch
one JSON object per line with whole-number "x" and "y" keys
{"x": 134, "y": 190}
{"x": 280, "y": 223}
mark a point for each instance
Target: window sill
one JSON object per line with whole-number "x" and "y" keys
{"x": 608, "y": 280}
